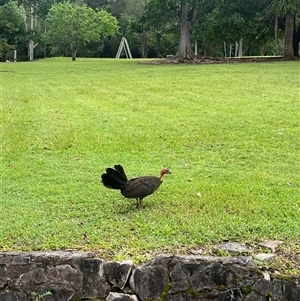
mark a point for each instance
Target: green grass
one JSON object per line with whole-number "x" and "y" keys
{"x": 227, "y": 131}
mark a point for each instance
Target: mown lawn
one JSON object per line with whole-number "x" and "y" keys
{"x": 228, "y": 132}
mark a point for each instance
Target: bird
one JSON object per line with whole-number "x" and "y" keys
{"x": 135, "y": 188}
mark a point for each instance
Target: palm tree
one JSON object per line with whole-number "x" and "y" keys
{"x": 288, "y": 9}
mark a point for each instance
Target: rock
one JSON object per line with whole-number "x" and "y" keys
{"x": 265, "y": 256}
{"x": 262, "y": 287}
{"x": 13, "y": 296}
{"x": 149, "y": 281}
{"x": 233, "y": 248}
{"x": 55, "y": 293}
{"x": 21, "y": 260}
{"x": 230, "y": 295}
{"x": 271, "y": 244}
{"x": 121, "y": 297}
{"x": 93, "y": 282}
{"x": 276, "y": 290}
{"x": 117, "y": 273}
{"x": 69, "y": 276}
{"x": 162, "y": 260}
{"x": 184, "y": 297}
{"x": 212, "y": 277}
{"x": 266, "y": 276}
{"x": 179, "y": 279}
{"x": 291, "y": 290}
{"x": 3, "y": 276}
{"x": 36, "y": 276}
{"x": 210, "y": 273}
{"x": 65, "y": 274}
{"x": 254, "y": 296}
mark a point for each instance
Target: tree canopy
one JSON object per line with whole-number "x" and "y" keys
{"x": 11, "y": 18}
{"x": 73, "y": 26}
{"x": 153, "y": 28}
{"x": 290, "y": 10}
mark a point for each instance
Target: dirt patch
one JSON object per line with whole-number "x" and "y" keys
{"x": 215, "y": 60}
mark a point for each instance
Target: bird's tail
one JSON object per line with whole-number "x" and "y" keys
{"x": 114, "y": 178}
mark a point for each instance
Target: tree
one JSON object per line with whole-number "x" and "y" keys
{"x": 34, "y": 27}
{"x": 289, "y": 9}
{"x": 176, "y": 16}
{"x": 237, "y": 20}
{"x": 12, "y": 18}
{"x": 127, "y": 12}
{"x": 96, "y": 3}
{"x": 296, "y": 41}
{"x": 73, "y": 26}
{"x": 187, "y": 19}
{"x": 159, "y": 23}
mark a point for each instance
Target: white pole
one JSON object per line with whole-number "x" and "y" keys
{"x": 120, "y": 48}
{"x": 15, "y": 55}
{"x": 128, "y": 49}
{"x": 31, "y": 43}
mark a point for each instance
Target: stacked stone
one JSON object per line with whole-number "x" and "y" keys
{"x": 65, "y": 276}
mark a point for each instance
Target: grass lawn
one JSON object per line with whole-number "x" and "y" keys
{"x": 228, "y": 132}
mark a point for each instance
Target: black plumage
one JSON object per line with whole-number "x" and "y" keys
{"x": 136, "y": 188}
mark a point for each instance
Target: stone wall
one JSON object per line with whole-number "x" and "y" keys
{"x": 64, "y": 276}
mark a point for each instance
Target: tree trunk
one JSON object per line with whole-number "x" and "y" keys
{"x": 276, "y": 28}
{"x": 185, "y": 47}
{"x": 74, "y": 55}
{"x": 31, "y": 42}
{"x": 158, "y": 52}
{"x": 288, "y": 37}
{"x": 236, "y": 49}
{"x": 296, "y": 41}
{"x": 240, "y": 54}
{"x": 30, "y": 49}
{"x": 144, "y": 44}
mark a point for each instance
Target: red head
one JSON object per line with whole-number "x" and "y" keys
{"x": 164, "y": 172}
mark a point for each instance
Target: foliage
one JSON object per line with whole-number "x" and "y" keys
{"x": 39, "y": 297}
{"x": 154, "y": 24}
{"x": 126, "y": 11}
{"x": 283, "y": 7}
{"x": 289, "y": 9}
{"x": 215, "y": 22}
{"x": 233, "y": 18}
{"x": 72, "y": 26}
{"x": 229, "y": 21}
{"x": 11, "y": 19}
{"x": 234, "y": 142}
{"x": 160, "y": 20}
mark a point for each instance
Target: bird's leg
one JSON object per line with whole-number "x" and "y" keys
{"x": 139, "y": 203}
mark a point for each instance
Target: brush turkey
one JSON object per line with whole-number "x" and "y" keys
{"x": 136, "y": 188}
